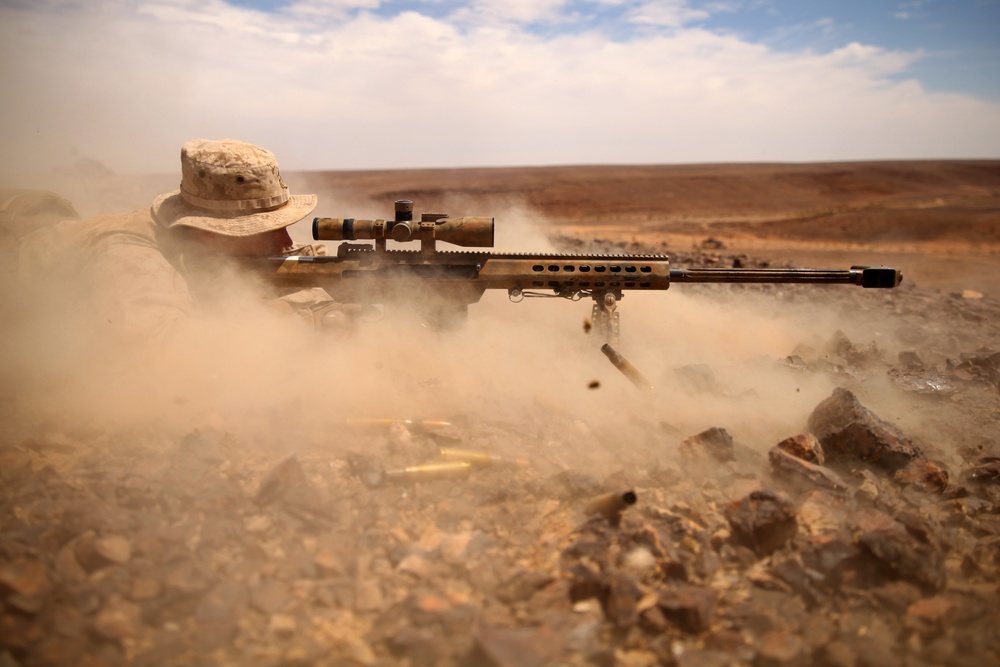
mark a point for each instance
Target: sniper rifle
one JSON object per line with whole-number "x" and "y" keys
{"x": 442, "y": 283}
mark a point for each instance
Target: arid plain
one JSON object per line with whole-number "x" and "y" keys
{"x": 814, "y": 478}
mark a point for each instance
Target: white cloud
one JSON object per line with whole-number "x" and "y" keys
{"x": 515, "y": 11}
{"x": 314, "y": 15}
{"x": 127, "y": 84}
{"x": 670, "y": 13}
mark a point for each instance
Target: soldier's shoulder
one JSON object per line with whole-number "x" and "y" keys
{"x": 108, "y": 228}
{"x": 23, "y": 211}
{"x": 88, "y": 239}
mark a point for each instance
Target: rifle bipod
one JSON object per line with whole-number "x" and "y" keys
{"x": 605, "y": 316}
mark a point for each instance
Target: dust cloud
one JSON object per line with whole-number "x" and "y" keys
{"x": 266, "y": 376}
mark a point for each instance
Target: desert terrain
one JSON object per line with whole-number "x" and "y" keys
{"x": 813, "y": 477}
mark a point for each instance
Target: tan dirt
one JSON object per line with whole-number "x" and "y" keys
{"x": 227, "y": 506}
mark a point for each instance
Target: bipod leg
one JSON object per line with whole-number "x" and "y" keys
{"x": 605, "y": 317}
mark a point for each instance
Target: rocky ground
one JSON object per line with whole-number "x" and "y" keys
{"x": 852, "y": 543}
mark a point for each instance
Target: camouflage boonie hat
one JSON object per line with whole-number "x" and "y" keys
{"x": 230, "y": 187}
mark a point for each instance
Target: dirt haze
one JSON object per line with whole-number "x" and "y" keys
{"x": 259, "y": 493}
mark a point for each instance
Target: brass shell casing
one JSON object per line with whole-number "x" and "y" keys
{"x": 627, "y": 369}
{"x": 429, "y": 471}
{"x": 480, "y": 458}
{"x": 611, "y": 505}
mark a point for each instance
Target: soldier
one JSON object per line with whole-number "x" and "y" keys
{"x": 26, "y": 211}
{"x": 23, "y": 211}
{"x": 147, "y": 271}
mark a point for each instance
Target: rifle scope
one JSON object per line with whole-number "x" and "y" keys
{"x": 465, "y": 232}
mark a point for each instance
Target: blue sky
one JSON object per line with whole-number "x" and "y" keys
{"x": 959, "y": 39}
{"x": 424, "y": 83}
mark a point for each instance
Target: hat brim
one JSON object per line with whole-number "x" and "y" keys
{"x": 170, "y": 211}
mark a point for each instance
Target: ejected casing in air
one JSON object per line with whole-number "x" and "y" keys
{"x": 429, "y": 471}
{"x": 611, "y": 505}
{"x": 627, "y": 369}
{"x": 480, "y": 458}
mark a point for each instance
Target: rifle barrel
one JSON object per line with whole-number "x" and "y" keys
{"x": 879, "y": 277}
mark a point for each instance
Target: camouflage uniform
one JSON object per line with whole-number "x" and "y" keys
{"x": 144, "y": 275}
{"x": 24, "y": 211}
{"x": 138, "y": 278}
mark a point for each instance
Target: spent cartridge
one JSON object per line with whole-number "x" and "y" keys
{"x": 627, "y": 369}
{"x": 480, "y": 458}
{"x": 611, "y": 505}
{"x": 429, "y": 471}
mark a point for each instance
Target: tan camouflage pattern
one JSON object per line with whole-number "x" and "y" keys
{"x": 230, "y": 187}
{"x": 118, "y": 267}
{"x": 23, "y": 211}
{"x": 136, "y": 277}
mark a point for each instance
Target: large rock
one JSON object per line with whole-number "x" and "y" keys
{"x": 715, "y": 442}
{"x": 849, "y": 431}
{"x": 763, "y": 521}
{"x": 690, "y": 608}
{"x": 907, "y": 552}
